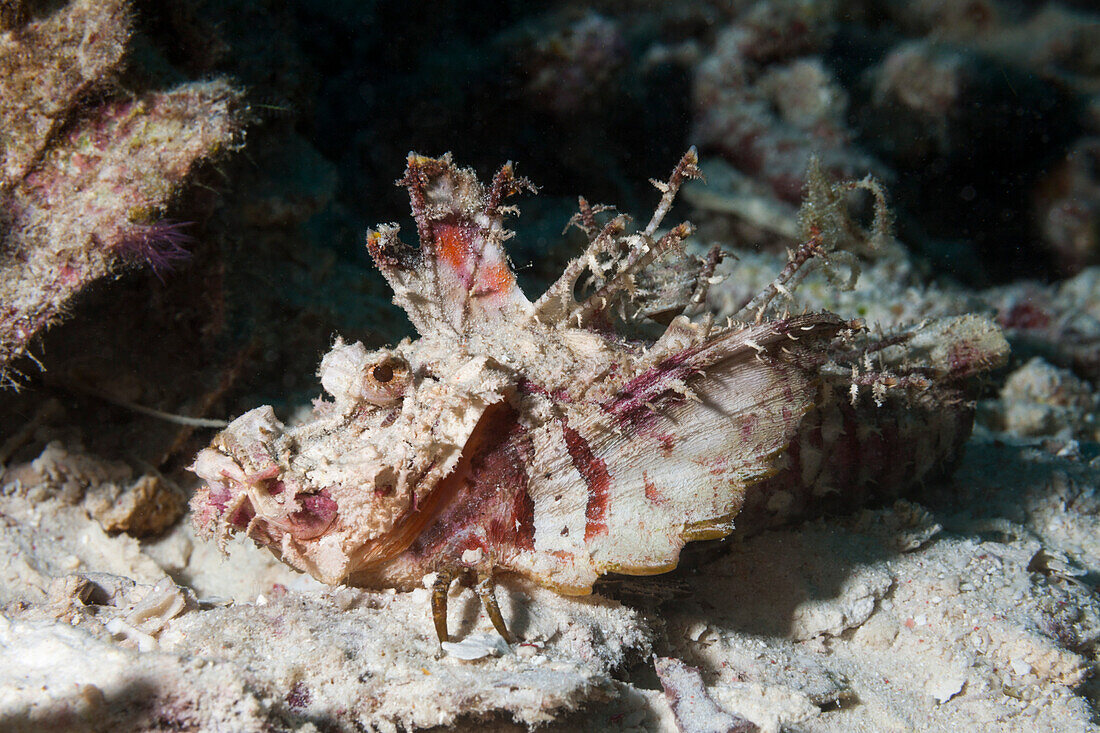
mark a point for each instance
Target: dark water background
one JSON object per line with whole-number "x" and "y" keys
{"x": 982, "y": 118}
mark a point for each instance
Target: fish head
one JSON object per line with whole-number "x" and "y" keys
{"x": 352, "y": 485}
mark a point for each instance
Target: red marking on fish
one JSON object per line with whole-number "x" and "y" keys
{"x": 516, "y": 529}
{"x": 594, "y": 472}
{"x": 652, "y": 492}
{"x": 243, "y": 515}
{"x": 452, "y": 242}
{"x": 317, "y": 513}
{"x": 718, "y": 466}
{"x": 456, "y": 246}
{"x": 748, "y": 427}
{"x": 491, "y": 508}
{"x": 494, "y": 278}
{"x": 633, "y": 405}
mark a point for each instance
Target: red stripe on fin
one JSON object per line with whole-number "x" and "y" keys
{"x": 594, "y": 471}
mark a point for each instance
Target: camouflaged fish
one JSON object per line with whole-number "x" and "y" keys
{"x": 553, "y": 439}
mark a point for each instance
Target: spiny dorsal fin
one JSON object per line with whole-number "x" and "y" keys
{"x": 460, "y": 275}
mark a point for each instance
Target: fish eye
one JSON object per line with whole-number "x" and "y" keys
{"x": 382, "y": 373}
{"x": 384, "y": 383}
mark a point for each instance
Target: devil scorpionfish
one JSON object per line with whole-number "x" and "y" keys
{"x": 596, "y": 429}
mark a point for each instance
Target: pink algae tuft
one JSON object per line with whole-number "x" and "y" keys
{"x": 161, "y": 245}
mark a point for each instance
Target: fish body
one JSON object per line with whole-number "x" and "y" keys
{"x": 549, "y": 438}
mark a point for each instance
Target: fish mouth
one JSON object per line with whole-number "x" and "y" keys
{"x": 259, "y": 503}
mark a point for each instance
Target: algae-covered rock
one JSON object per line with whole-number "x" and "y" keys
{"x": 85, "y": 178}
